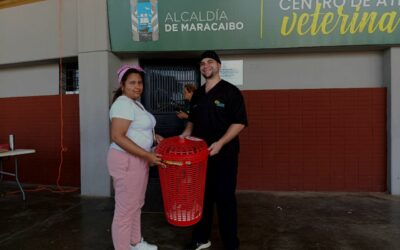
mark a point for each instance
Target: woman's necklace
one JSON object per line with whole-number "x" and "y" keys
{"x": 139, "y": 105}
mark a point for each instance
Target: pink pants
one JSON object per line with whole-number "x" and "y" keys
{"x": 130, "y": 176}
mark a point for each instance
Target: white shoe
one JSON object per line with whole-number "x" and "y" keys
{"x": 143, "y": 245}
{"x": 198, "y": 246}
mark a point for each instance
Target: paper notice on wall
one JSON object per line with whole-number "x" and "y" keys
{"x": 232, "y": 71}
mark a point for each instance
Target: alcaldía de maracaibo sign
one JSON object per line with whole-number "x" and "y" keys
{"x": 184, "y": 25}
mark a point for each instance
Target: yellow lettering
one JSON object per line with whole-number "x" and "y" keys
{"x": 344, "y": 18}
{"x": 326, "y": 20}
{"x": 284, "y": 30}
{"x": 303, "y": 20}
{"x": 351, "y": 23}
{"x": 314, "y": 25}
{"x": 368, "y": 18}
{"x": 389, "y": 27}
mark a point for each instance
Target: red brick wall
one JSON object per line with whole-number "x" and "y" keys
{"x": 314, "y": 140}
{"x": 35, "y": 122}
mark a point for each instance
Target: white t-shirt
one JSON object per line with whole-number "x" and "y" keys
{"x": 141, "y": 128}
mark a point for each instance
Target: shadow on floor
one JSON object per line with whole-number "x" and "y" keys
{"x": 275, "y": 220}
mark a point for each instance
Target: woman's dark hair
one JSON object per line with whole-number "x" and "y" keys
{"x": 118, "y": 91}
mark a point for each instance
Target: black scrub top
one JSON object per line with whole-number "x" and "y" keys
{"x": 212, "y": 113}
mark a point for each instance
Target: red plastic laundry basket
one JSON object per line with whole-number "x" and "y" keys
{"x": 183, "y": 181}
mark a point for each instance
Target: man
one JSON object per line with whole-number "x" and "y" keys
{"x": 217, "y": 115}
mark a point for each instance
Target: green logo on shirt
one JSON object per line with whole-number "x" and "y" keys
{"x": 219, "y": 104}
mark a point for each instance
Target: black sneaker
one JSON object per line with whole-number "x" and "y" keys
{"x": 198, "y": 245}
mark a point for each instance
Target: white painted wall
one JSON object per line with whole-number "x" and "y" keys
{"x": 94, "y": 122}
{"x": 303, "y": 70}
{"x": 96, "y": 72}
{"x": 31, "y": 32}
{"x": 311, "y": 70}
{"x": 93, "y": 26}
{"x": 29, "y": 80}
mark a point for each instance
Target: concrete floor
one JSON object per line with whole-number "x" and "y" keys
{"x": 276, "y": 220}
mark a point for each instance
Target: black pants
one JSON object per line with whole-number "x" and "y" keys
{"x": 220, "y": 190}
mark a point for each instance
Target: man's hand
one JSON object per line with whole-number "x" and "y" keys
{"x": 233, "y": 130}
{"x": 188, "y": 130}
{"x": 215, "y": 148}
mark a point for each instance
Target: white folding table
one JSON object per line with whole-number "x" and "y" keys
{"x": 14, "y": 153}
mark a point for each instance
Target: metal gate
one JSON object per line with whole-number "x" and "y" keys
{"x": 163, "y": 93}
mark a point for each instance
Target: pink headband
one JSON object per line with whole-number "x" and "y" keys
{"x": 121, "y": 71}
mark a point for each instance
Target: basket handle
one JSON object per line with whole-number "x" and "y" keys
{"x": 176, "y": 163}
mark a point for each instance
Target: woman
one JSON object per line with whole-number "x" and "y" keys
{"x": 129, "y": 156}
{"x": 188, "y": 91}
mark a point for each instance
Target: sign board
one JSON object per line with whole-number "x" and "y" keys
{"x": 232, "y": 71}
{"x": 189, "y": 25}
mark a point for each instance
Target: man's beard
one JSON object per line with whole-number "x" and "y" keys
{"x": 208, "y": 77}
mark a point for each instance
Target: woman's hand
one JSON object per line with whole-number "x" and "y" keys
{"x": 182, "y": 115}
{"x": 158, "y": 138}
{"x": 155, "y": 160}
